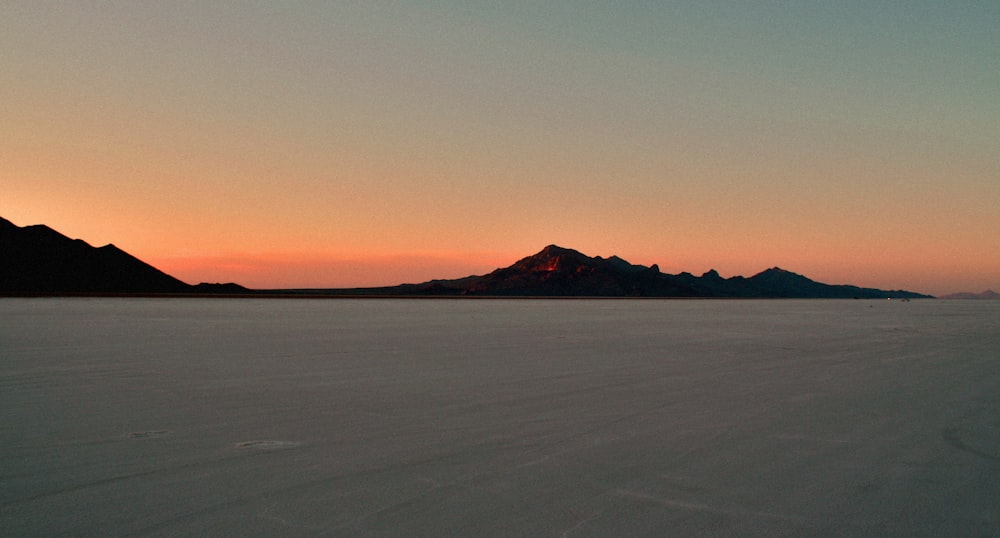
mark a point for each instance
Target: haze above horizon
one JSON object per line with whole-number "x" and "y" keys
{"x": 344, "y": 144}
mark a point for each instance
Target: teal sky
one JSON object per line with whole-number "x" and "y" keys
{"x": 369, "y": 143}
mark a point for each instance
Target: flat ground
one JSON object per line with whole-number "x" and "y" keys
{"x": 169, "y": 417}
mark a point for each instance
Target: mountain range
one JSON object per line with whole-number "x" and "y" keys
{"x": 564, "y": 272}
{"x": 39, "y": 260}
{"x": 987, "y": 295}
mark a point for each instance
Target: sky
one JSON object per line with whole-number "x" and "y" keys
{"x": 343, "y": 143}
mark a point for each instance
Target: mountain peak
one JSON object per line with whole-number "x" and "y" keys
{"x": 988, "y": 294}
{"x": 778, "y": 272}
{"x": 38, "y": 259}
{"x": 553, "y": 258}
{"x": 556, "y": 250}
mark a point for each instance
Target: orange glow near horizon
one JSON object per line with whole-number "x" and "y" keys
{"x": 344, "y": 145}
{"x": 308, "y": 270}
{"x": 290, "y": 271}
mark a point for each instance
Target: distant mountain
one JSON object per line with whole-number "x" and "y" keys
{"x": 988, "y": 294}
{"x": 219, "y": 288}
{"x": 557, "y": 271}
{"x": 39, "y": 260}
{"x": 563, "y": 272}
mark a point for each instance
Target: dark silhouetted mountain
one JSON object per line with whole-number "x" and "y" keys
{"x": 562, "y": 272}
{"x": 986, "y": 295}
{"x": 777, "y": 282}
{"x": 218, "y": 288}
{"x": 557, "y": 271}
{"x": 38, "y": 259}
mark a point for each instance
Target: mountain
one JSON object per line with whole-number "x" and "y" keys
{"x": 39, "y": 260}
{"x": 557, "y": 271}
{"x": 988, "y": 295}
{"x": 777, "y": 282}
{"x": 563, "y": 272}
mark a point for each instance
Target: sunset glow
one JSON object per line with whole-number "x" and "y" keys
{"x": 343, "y": 144}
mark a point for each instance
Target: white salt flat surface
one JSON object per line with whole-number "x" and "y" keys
{"x": 245, "y": 417}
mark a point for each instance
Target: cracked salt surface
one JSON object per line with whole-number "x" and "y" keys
{"x": 520, "y": 417}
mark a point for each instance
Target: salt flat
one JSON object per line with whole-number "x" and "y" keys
{"x": 167, "y": 417}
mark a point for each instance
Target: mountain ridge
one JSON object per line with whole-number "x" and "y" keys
{"x": 39, "y": 260}
{"x": 988, "y": 295}
{"x": 562, "y": 272}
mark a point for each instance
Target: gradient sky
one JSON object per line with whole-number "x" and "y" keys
{"x": 329, "y": 144}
